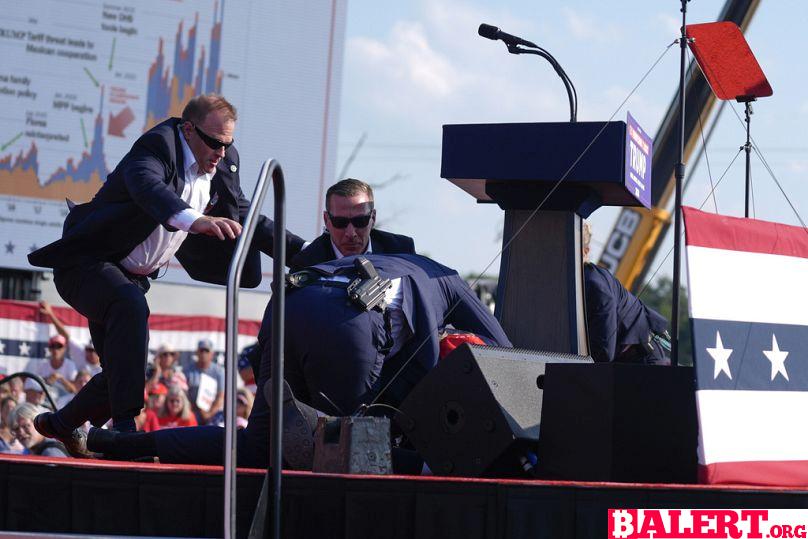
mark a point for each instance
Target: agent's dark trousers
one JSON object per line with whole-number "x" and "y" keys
{"x": 205, "y": 445}
{"x": 114, "y": 303}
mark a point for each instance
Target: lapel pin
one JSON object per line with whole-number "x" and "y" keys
{"x": 233, "y": 168}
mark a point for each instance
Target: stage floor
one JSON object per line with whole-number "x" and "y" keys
{"x": 40, "y": 494}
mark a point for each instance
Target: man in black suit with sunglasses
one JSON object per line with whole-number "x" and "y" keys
{"x": 177, "y": 192}
{"x": 349, "y": 217}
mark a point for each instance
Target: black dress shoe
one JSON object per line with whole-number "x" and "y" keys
{"x": 299, "y": 422}
{"x": 75, "y": 442}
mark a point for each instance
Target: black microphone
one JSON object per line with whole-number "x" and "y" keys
{"x": 512, "y": 42}
{"x": 494, "y": 33}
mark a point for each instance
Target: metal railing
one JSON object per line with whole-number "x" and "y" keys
{"x": 36, "y": 378}
{"x": 270, "y": 168}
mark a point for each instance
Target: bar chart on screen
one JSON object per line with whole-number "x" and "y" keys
{"x": 81, "y": 81}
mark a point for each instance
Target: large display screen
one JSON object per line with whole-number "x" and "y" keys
{"x": 80, "y": 81}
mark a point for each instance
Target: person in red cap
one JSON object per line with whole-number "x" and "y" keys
{"x": 58, "y": 371}
{"x": 147, "y": 420}
{"x": 83, "y": 354}
{"x": 156, "y": 394}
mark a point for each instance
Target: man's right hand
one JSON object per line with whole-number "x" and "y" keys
{"x": 220, "y": 227}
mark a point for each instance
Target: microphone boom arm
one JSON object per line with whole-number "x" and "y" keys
{"x": 572, "y": 94}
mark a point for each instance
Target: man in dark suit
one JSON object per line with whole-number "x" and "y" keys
{"x": 349, "y": 217}
{"x": 179, "y": 178}
{"x": 337, "y": 356}
{"x": 621, "y": 327}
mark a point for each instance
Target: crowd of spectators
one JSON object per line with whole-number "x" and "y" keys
{"x": 178, "y": 393}
{"x": 183, "y": 393}
{"x": 17, "y": 433}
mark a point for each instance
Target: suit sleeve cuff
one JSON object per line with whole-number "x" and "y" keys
{"x": 184, "y": 219}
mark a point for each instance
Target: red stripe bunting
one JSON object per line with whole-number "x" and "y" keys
{"x": 787, "y": 473}
{"x": 27, "y": 311}
{"x": 739, "y": 234}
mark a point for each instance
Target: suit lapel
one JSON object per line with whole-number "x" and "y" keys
{"x": 179, "y": 183}
{"x": 318, "y": 251}
{"x": 225, "y": 178}
{"x": 377, "y": 243}
{"x": 216, "y": 187}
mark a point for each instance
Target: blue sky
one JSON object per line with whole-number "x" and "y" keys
{"x": 410, "y": 67}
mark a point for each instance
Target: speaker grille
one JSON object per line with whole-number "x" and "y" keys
{"x": 525, "y": 354}
{"x": 513, "y": 376}
{"x": 479, "y": 409}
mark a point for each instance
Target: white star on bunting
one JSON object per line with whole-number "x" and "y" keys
{"x": 25, "y": 349}
{"x": 2, "y": 347}
{"x": 777, "y": 358}
{"x": 721, "y": 357}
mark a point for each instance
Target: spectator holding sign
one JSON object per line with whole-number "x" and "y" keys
{"x": 205, "y": 383}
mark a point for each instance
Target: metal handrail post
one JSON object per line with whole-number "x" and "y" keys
{"x": 278, "y": 319}
{"x": 270, "y": 168}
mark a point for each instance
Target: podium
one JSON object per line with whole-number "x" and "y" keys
{"x": 567, "y": 171}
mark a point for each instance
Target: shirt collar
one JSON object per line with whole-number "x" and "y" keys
{"x": 191, "y": 168}
{"x": 339, "y": 255}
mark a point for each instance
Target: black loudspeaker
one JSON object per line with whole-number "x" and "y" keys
{"x": 619, "y": 422}
{"x": 477, "y": 412}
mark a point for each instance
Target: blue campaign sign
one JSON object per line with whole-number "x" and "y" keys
{"x": 639, "y": 151}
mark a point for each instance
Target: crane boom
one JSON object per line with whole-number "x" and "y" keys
{"x": 638, "y": 232}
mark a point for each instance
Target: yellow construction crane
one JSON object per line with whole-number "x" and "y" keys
{"x": 638, "y": 232}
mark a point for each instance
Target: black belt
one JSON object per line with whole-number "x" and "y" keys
{"x": 366, "y": 289}
{"x": 137, "y": 276}
{"x": 308, "y": 277}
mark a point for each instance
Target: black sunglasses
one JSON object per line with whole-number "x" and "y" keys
{"x": 210, "y": 142}
{"x": 360, "y": 221}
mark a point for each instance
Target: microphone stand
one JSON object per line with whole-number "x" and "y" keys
{"x": 679, "y": 177}
{"x": 572, "y": 95}
{"x": 747, "y": 101}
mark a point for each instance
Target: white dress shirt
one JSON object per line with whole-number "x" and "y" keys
{"x": 339, "y": 255}
{"x": 161, "y": 245}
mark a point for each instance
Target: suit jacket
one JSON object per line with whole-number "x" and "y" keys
{"x": 321, "y": 250}
{"x": 433, "y": 296}
{"x": 615, "y": 317}
{"x": 141, "y": 194}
